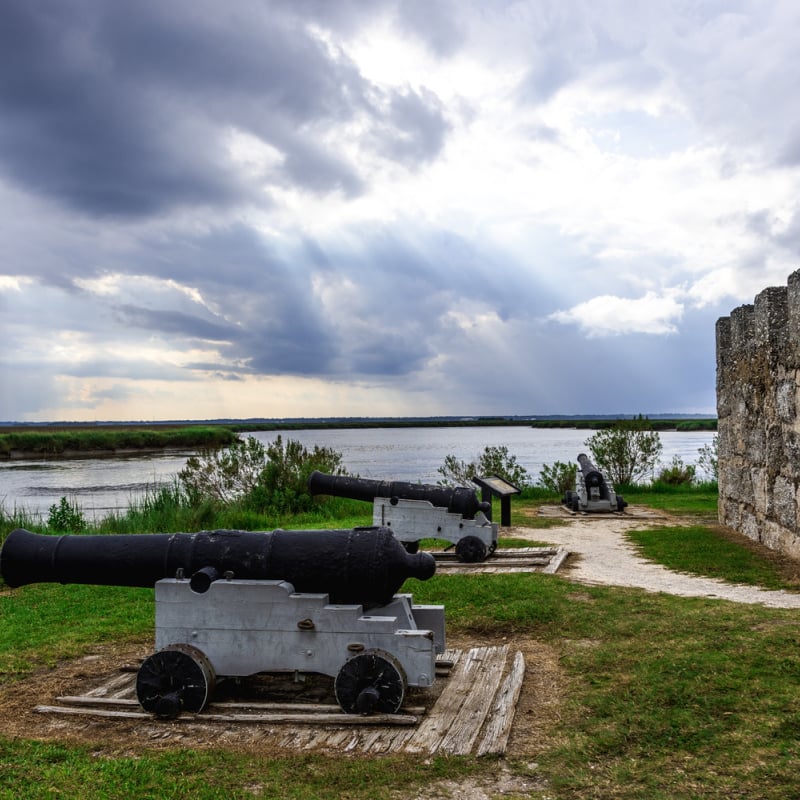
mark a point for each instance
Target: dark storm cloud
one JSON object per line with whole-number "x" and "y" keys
{"x": 264, "y": 307}
{"x": 124, "y": 109}
{"x": 271, "y": 317}
{"x": 174, "y": 323}
{"x": 73, "y": 126}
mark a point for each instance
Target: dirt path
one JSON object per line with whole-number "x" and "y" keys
{"x": 600, "y": 554}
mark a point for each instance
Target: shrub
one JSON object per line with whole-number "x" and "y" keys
{"x": 627, "y": 451}
{"x": 262, "y": 478}
{"x": 559, "y": 477}
{"x": 677, "y": 473}
{"x": 708, "y": 460}
{"x": 494, "y": 460}
{"x": 66, "y": 516}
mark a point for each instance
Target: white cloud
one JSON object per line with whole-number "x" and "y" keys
{"x": 609, "y": 315}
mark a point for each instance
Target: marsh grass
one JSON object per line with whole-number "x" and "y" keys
{"x": 56, "y": 442}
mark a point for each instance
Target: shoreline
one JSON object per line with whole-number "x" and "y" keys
{"x": 92, "y": 441}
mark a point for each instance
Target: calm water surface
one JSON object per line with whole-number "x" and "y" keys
{"x": 102, "y": 485}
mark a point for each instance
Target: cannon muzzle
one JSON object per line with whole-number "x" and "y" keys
{"x": 592, "y": 477}
{"x": 458, "y": 500}
{"x": 360, "y": 566}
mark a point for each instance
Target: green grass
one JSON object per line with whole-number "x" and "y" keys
{"x": 33, "y": 770}
{"x": 697, "y": 500}
{"x": 44, "y": 623}
{"x": 701, "y": 550}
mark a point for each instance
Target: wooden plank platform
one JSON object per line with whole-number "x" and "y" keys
{"x": 473, "y": 712}
{"x": 513, "y": 559}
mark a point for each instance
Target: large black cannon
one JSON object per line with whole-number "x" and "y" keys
{"x": 415, "y": 511}
{"x": 236, "y": 603}
{"x": 593, "y": 491}
{"x": 457, "y": 500}
{"x": 362, "y": 565}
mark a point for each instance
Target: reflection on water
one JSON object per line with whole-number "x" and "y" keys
{"x": 104, "y": 485}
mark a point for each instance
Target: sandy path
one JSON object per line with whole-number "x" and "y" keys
{"x": 606, "y": 557}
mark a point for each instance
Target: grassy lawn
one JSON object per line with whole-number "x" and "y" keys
{"x": 703, "y": 550}
{"x": 660, "y": 697}
{"x": 698, "y": 501}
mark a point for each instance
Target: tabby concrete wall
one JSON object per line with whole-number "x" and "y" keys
{"x": 758, "y": 375}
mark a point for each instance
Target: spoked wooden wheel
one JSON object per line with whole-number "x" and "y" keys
{"x": 371, "y": 682}
{"x": 178, "y": 678}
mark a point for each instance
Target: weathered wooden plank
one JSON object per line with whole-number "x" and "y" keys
{"x": 316, "y": 708}
{"x": 556, "y": 562}
{"x": 88, "y": 700}
{"x": 525, "y": 551}
{"x": 111, "y": 685}
{"x": 304, "y": 719}
{"x": 501, "y": 552}
{"x": 430, "y": 732}
{"x": 94, "y": 712}
{"x": 494, "y": 563}
{"x": 389, "y": 741}
{"x": 486, "y": 677}
{"x": 501, "y": 717}
{"x": 276, "y": 718}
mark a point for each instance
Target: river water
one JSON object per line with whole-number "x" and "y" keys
{"x": 100, "y": 486}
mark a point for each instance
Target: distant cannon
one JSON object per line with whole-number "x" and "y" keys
{"x": 455, "y": 499}
{"x": 235, "y": 603}
{"x": 593, "y": 491}
{"x": 414, "y": 511}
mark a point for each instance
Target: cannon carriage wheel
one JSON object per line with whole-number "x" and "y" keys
{"x": 470, "y": 550}
{"x": 178, "y": 678}
{"x": 370, "y": 682}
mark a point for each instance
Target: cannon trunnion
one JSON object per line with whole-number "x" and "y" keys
{"x": 414, "y": 511}
{"x": 235, "y": 603}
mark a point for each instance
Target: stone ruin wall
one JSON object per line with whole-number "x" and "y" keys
{"x": 758, "y": 403}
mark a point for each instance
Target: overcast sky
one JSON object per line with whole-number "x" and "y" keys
{"x": 306, "y": 208}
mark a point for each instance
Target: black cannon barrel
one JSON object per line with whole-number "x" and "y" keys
{"x": 458, "y": 500}
{"x": 591, "y": 475}
{"x": 359, "y": 566}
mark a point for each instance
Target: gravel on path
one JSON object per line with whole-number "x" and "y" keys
{"x": 606, "y": 557}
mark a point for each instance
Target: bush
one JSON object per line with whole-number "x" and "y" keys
{"x": 627, "y": 452}
{"x": 708, "y": 460}
{"x": 66, "y": 516}
{"x": 677, "y": 473}
{"x": 559, "y": 477}
{"x": 492, "y": 461}
{"x": 271, "y": 478}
